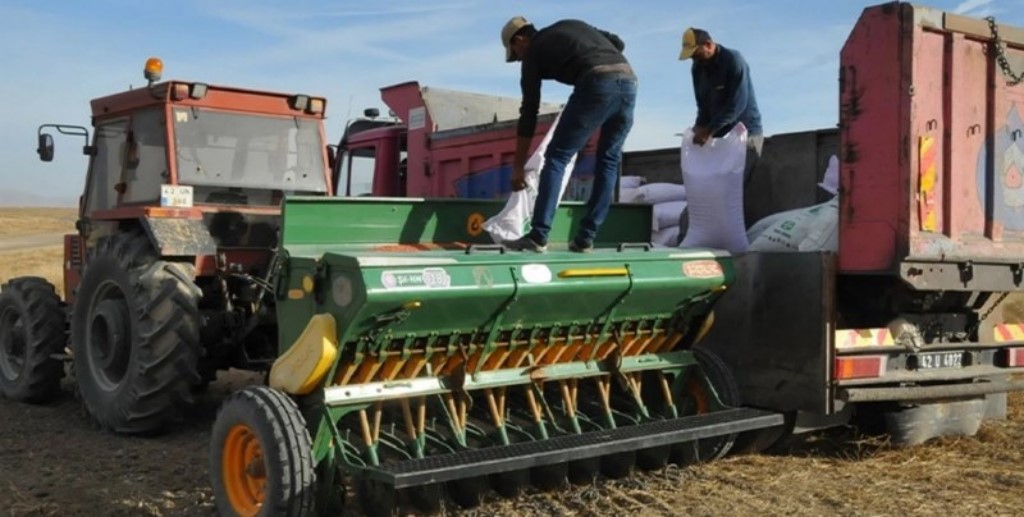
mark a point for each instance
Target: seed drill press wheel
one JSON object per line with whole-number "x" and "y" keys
{"x": 261, "y": 459}
{"x": 696, "y": 400}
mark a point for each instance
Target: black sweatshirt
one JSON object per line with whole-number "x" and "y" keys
{"x": 564, "y": 51}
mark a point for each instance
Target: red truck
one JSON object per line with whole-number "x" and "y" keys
{"x": 445, "y": 143}
{"x": 902, "y": 327}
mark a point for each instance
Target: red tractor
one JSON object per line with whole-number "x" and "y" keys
{"x": 166, "y": 279}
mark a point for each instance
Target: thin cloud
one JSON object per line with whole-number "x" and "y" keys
{"x": 970, "y": 6}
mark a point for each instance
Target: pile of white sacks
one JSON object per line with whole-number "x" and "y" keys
{"x": 715, "y": 201}
{"x": 668, "y": 201}
{"x": 813, "y": 228}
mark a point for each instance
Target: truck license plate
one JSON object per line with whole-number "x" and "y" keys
{"x": 938, "y": 360}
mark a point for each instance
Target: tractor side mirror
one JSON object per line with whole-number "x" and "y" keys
{"x": 45, "y": 149}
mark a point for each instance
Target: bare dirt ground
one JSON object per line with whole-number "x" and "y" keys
{"x": 52, "y": 462}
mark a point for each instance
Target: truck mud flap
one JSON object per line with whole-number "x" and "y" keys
{"x": 481, "y": 462}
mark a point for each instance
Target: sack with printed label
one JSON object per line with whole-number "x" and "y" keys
{"x": 759, "y": 227}
{"x": 514, "y": 220}
{"x": 788, "y": 231}
{"x": 823, "y": 230}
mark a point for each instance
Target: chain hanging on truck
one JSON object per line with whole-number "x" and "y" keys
{"x": 997, "y": 45}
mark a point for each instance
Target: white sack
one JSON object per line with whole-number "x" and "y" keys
{"x": 667, "y": 214}
{"x": 629, "y": 195}
{"x": 631, "y": 181}
{"x": 666, "y": 237}
{"x": 514, "y": 220}
{"x": 786, "y": 233}
{"x": 823, "y": 230}
{"x": 759, "y": 227}
{"x": 713, "y": 174}
{"x": 654, "y": 193}
{"x": 830, "y": 183}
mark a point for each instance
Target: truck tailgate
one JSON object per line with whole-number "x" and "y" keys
{"x": 932, "y": 144}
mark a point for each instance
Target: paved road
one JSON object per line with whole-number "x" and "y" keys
{"x": 26, "y": 242}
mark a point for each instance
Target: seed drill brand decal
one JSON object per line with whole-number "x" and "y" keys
{"x": 429, "y": 278}
{"x": 702, "y": 269}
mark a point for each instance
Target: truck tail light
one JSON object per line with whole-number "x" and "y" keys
{"x": 860, "y": 367}
{"x": 1012, "y": 357}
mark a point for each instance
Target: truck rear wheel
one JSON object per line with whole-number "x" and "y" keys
{"x": 135, "y": 336}
{"x": 261, "y": 456}
{"x": 913, "y": 423}
{"x": 32, "y": 325}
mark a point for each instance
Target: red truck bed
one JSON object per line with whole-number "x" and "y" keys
{"x": 931, "y": 149}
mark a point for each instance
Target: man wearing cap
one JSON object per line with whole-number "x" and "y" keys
{"x": 725, "y": 96}
{"x": 571, "y": 52}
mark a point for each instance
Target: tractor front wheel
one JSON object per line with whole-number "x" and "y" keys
{"x": 32, "y": 332}
{"x": 261, "y": 456}
{"x": 135, "y": 336}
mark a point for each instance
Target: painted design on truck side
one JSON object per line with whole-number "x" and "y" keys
{"x": 493, "y": 183}
{"x": 1009, "y": 165}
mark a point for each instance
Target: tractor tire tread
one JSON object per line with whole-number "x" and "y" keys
{"x": 164, "y": 309}
{"x": 39, "y": 303}
{"x": 285, "y": 440}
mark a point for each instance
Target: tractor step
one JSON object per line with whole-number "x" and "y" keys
{"x": 491, "y": 460}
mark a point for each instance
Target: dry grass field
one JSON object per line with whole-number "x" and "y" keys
{"x": 28, "y": 221}
{"x": 53, "y": 463}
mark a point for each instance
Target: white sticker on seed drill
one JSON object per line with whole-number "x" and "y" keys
{"x": 536, "y": 274}
{"x": 429, "y": 278}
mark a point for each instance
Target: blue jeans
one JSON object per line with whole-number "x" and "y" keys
{"x": 600, "y": 101}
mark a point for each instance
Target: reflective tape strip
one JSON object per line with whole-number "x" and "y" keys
{"x": 859, "y": 338}
{"x": 1009, "y": 332}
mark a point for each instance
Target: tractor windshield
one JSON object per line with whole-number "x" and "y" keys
{"x": 219, "y": 149}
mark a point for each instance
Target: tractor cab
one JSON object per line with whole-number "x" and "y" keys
{"x": 187, "y": 144}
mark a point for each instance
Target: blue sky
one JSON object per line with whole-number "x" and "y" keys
{"x": 60, "y": 54}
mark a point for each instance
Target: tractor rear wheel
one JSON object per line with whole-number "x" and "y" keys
{"x": 261, "y": 456}
{"x": 32, "y": 322}
{"x": 135, "y": 336}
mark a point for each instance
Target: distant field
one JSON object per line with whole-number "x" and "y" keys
{"x": 29, "y": 221}
{"x": 45, "y": 261}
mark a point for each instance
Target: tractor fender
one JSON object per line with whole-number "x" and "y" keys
{"x": 179, "y": 236}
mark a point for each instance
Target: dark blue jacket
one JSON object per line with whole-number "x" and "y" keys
{"x": 725, "y": 94}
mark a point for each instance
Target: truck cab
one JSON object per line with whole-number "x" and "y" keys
{"x": 442, "y": 143}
